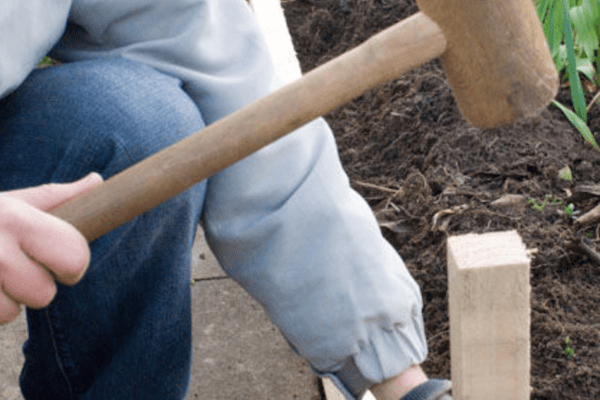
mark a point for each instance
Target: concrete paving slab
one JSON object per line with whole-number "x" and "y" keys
{"x": 12, "y": 337}
{"x": 238, "y": 353}
{"x": 204, "y": 262}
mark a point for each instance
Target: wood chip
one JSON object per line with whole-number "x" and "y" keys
{"x": 443, "y": 213}
{"x": 589, "y": 217}
{"x": 589, "y": 190}
{"x": 514, "y": 201}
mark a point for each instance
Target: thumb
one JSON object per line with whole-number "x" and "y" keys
{"x": 48, "y": 197}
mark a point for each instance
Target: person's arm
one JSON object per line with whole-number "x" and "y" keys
{"x": 213, "y": 46}
{"x": 37, "y": 248}
{"x": 28, "y": 30}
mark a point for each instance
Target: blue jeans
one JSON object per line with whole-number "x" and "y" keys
{"x": 284, "y": 223}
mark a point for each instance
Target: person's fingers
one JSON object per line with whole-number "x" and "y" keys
{"x": 50, "y": 241}
{"x": 22, "y": 279}
{"x": 48, "y": 197}
{"x": 30, "y": 237}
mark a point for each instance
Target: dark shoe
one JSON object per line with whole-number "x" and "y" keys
{"x": 433, "y": 389}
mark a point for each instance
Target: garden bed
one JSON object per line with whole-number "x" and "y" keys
{"x": 428, "y": 174}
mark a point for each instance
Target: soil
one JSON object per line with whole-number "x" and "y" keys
{"x": 409, "y": 152}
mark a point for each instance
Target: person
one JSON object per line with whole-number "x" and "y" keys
{"x": 113, "y": 320}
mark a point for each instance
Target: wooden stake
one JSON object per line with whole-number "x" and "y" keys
{"x": 488, "y": 279}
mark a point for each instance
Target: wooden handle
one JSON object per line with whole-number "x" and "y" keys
{"x": 147, "y": 184}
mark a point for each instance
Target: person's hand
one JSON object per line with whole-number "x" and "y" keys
{"x": 37, "y": 248}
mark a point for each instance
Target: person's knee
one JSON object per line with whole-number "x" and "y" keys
{"x": 144, "y": 107}
{"x": 102, "y": 109}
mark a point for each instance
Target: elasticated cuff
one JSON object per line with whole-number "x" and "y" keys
{"x": 433, "y": 389}
{"x": 390, "y": 352}
{"x": 349, "y": 381}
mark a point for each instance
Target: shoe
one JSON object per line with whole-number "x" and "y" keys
{"x": 433, "y": 389}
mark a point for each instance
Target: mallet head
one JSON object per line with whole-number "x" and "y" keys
{"x": 497, "y": 59}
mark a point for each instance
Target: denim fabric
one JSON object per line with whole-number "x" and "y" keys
{"x": 123, "y": 332}
{"x": 283, "y": 222}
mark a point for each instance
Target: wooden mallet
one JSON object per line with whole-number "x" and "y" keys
{"x": 494, "y": 53}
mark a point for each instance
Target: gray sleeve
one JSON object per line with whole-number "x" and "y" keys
{"x": 213, "y": 46}
{"x": 28, "y": 30}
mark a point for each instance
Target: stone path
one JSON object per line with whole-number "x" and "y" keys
{"x": 238, "y": 353}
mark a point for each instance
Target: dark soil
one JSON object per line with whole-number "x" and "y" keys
{"x": 409, "y": 152}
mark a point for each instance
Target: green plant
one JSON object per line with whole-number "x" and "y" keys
{"x": 569, "y": 209}
{"x": 569, "y": 352}
{"x": 539, "y": 207}
{"x": 572, "y": 29}
{"x": 579, "y": 124}
{"x": 46, "y": 61}
{"x": 565, "y": 174}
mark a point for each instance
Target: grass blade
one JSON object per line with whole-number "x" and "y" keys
{"x": 579, "y": 124}
{"x": 574, "y": 81}
{"x": 554, "y": 26}
{"x": 560, "y": 58}
{"x": 585, "y": 31}
{"x": 586, "y": 67}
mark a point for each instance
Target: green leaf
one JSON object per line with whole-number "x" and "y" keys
{"x": 574, "y": 81}
{"x": 579, "y": 124}
{"x": 584, "y": 27}
{"x": 595, "y": 11}
{"x": 565, "y": 173}
{"x": 556, "y": 26}
{"x": 586, "y": 67}
{"x": 560, "y": 58}
{"x": 542, "y": 7}
{"x": 45, "y": 61}
{"x": 552, "y": 23}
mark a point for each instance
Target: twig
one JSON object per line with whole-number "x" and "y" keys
{"x": 596, "y": 97}
{"x": 585, "y": 245}
{"x": 589, "y": 217}
{"x": 589, "y": 190}
{"x": 442, "y": 330}
{"x": 450, "y": 211}
{"x": 377, "y": 187}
